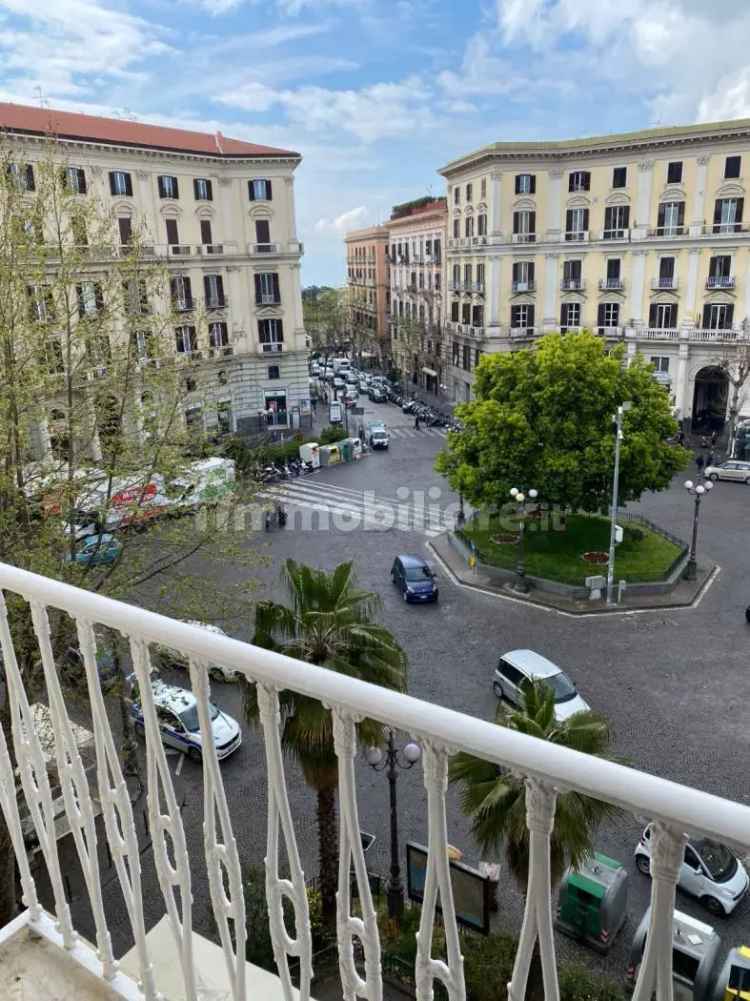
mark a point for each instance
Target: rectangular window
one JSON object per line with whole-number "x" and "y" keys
{"x": 436, "y": 251}
{"x": 732, "y": 166}
{"x": 522, "y": 317}
{"x": 481, "y": 225}
{"x": 608, "y": 315}
{"x": 619, "y": 177}
{"x": 579, "y": 180}
{"x": 203, "y": 189}
{"x": 466, "y": 357}
{"x": 572, "y": 275}
{"x": 525, "y": 184}
{"x": 90, "y": 299}
{"x": 263, "y": 235}
{"x": 524, "y": 224}
{"x": 218, "y": 335}
{"x": 616, "y": 222}
{"x": 718, "y": 316}
{"x": 271, "y": 335}
{"x": 465, "y": 312}
{"x": 168, "y": 187}
{"x": 274, "y": 372}
{"x": 22, "y": 174}
{"x": 135, "y": 295}
{"x": 570, "y": 316}
{"x": 456, "y": 275}
{"x": 41, "y": 303}
{"x": 576, "y": 224}
{"x": 74, "y": 179}
{"x": 267, "y": 289}
{"x": 186, "y": 340}
{"x": 259, "y": 190}
{"x": 523, "y": 276}
{"x": 142, "y": 343}
{"x": 181, "y": 292}
{"x": 720, "y": 271}
{"x": 467, "y": 275}
{"x": 469, "y": 226}
{"x": 454, "y": 311}
{"x": 613, "y": 268}
{"x": 477, "y": 315}
{"x": 469, "y": 192}
{"x": 457, "y": 195}
{"x": 662, "y": 315}
{"x": 125, "y": 226}
{"x": 120, "y": 183}
{"x": 456, "y": 228}
{"x": 666, "y": 270}
{"x": 480, "y": 274}
{"x": 728, "y": 215}
{"x": 660, "y": 362}
{"x": 671, "y": 219}
{"x": 674, "y": 172}
{"x": 213, "y": 288}
{"x": 483, "y": 188}
{"x": 172, "y": 234}
{"x": 206, "y": 235}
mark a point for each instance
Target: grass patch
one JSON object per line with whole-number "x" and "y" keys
{"x": 643, "y": 555}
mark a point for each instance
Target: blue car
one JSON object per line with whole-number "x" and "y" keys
{"x": 414, "y": 578}
{"x": 97, "y": 549}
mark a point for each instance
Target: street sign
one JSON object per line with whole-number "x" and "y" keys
{"x": 358, "y": 411}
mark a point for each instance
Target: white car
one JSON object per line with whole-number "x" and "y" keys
{"x": 709, "y": 871}
{"x": 516, "y": 669}
{"x": 165, "y": 656}
{"x": 732, "y": 469}
{"x": 177, "y": 713}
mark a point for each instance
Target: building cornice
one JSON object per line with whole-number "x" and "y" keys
{"x": 597, "y": 146}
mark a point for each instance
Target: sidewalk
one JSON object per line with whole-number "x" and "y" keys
{"x": 683, "y": 595}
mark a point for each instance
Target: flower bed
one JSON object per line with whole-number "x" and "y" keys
{"x": 596, "y": 556}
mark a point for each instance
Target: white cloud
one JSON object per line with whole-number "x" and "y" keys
{"x": 344, "y": 222}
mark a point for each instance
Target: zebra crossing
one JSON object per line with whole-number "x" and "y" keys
{"x": 403, "y": 431}
{"x": 315, "y": 505}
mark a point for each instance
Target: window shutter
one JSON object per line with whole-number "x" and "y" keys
{"x": 600, "y": 315}
{"x": 276, "y": 292}
{"x": 112, "y": 183}
{"x": 160, "y": 183}
{"x": 257, "y": 288}
{"x": 738, "y": 213}
{"x": 532, "y": 222}
{"x": 207, "y": 287}
{"x": 717, "y": 211}
{"x": 280, "y": 330}
{"x": 268, "y": 191}
{"x": 530, "y": 271}
{"x": 626, "y": 217}
{"x": 209, "y": 190}
{"x": 196, "y": 191}
{"x": 30, "y": 186}
{"x": 706, "y": 316}
{"x": 516, "y": 222}
{"x": 532, "y": 184}
{"x": 176, "y": 187}
{"x": 98, "y": 297}
{"x": 251, "y": 191}
{"x": 569, "y": 221}
{"x": 660, "y": 216}
{"x": 174, "y": 288}
{"x": 529, "y": 316}
{"x": 517, "y": 272}
{"x": 81, "y": 180}
{"x": 186, "y": 289}
{"x": 571, "y": 182}
{"x": 220, "y": 287}
{"x": 564, "y": 315}
{"x": 729, "y": 316}
{"x": 680, "y": 213}
{"x": 518, "y": 184}
{"x": 585, "y": 219}
{"x": 652, "y": 317}
{"x": 713, "y": 267}
{"x": 128, "y": 185}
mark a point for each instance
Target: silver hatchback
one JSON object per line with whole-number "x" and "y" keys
{"x": 732, "y": 469}
{"x": 517, "y": 668}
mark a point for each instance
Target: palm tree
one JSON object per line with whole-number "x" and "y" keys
{"x": 495, "y": 799}
{"x": 328, "y": 622}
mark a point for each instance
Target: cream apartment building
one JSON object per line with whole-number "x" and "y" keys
{"x": 417, "y": 237}
{"x": 220, "y": 213}
{"x": 639, "y": 236}
{"x": 368, "y": 284}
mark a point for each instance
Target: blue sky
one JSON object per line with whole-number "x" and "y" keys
{"x": 377, "y": 94}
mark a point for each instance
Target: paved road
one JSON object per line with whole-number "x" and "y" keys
{"x": 674, "y": 684}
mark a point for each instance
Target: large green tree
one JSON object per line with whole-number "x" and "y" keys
{"x": 495, "y": 798}
{"x": 542, "y": 418}
{"x": 328, "y": 622}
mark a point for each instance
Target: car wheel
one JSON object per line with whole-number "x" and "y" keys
{"x": 644, "y": 864}
{"x": 714, "y": 477}
{"x": 216, "y": 674}
{"x": 497, "y": 688}
{"x": 714, "y": 906}
{"x": 747, "y": 482}
{"x": 195, "y": 755}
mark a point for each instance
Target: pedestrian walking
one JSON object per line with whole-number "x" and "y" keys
{"x": 714, "y": 438}
{"x": 315, "y": 404}
{"x": 699, "y": 464}
{"x": 704, "y": 441}
{"x": 416, "y": 423}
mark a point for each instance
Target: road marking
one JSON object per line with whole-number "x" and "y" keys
{"x": 180, "y": 763}
{"x": 561, "y": 611}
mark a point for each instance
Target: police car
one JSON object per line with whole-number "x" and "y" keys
{"x": 177, "y": 713}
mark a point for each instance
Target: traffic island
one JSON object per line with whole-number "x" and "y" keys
{"x": 564, "y": 569}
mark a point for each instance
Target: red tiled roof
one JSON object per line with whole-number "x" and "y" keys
{"x": 90, "y": 128}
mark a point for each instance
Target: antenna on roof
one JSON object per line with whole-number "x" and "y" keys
{"x": 43, "y": 102}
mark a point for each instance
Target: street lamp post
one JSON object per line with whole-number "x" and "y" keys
{"x": 390, "y": 762}
{"x": 615, "y": 501}
{"x": 522, "y": 584}
{"x": 698, "y": 491}
{"x": 461, "y": 513}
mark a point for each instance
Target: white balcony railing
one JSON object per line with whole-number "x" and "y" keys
{"x": 524, "y": 286}
{"x": 664, "y": 283}
{"x": 678, "y": 811}
{"x": 577, "y": 236}
{"x": 658, "y": 333}
{"x": 523, "y": 238}
{"x": 611, "y": 284}
{"x": 723, "y": 334}
{"x": 572, "y": 284}
{"x": 720, "y": 281}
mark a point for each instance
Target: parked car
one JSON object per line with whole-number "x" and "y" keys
{"x": 96, "y": 550}
{"x": 351, "y": 395}
{"x": 517, "y": 669}
{"x": 414, "y": 578}
{"x": 177, "y": 713}
{"x": 709, "y": 871}
{"x": 375, "y": 393}
{"x": 165, "y": 656}
{"x": 376, "y": 435}
{"x": 732, "y": 469}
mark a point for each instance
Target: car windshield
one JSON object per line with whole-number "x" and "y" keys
{"x": 418, "y": 573}
{"x": 718, "y": 859}
{"x": 190, "y": 720}
{"x": 562, "y": 687}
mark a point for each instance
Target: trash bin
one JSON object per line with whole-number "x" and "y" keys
{"x": 346, "y": 450}
{"x": 593, "y": 901}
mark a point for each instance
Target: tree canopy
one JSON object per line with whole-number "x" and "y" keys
{"x": 542, "y": 418}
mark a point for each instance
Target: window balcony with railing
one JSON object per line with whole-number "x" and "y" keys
{"x": 272, "y": 347}
{"x": 572, "y": 285}
{"x": 660, "y": 284}
{"x": 720, "y": 281}
{"x": 611, "y": 284}
{"x": 725, "y": 228}
{"x": 478, "y": 287}
{"x": 130, "y": 932}
{"x": 523, "y": 238}
{"x": 264, "y": 248}
{"x": 183, "y": 305}
{"x": 216, "y": 249}
{"x": 577, "y": 236}
{"x": 179, "y": 250}
{"x": 615, "y": 234}
{"x": 267, "y": 299}
{"x": 667, "y": 231}
{"x": 217, "y": 302}
{"x": 524, "y": 286}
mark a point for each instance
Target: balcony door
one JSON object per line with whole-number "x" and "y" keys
{"x": 718, "y": 316}
{"x": 662, "y": 315}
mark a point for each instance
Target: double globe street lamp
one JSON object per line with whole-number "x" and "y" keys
{"x": 698, "y": 491}
{"x": 390, "y": 761}
{"x": 519, "y": 497}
